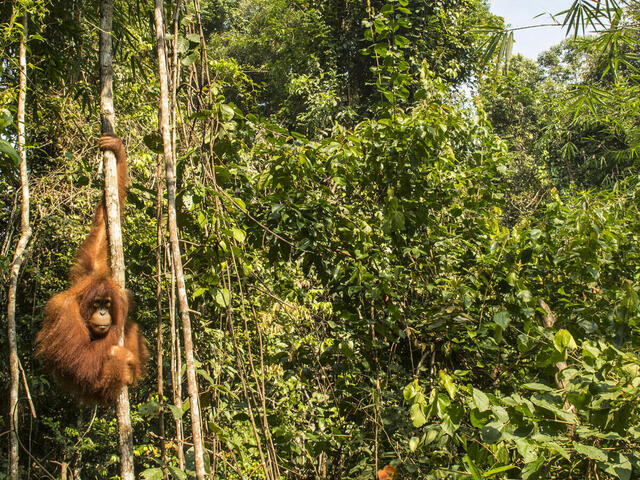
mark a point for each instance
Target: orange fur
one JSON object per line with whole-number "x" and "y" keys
{"x": 93, "y": 369}
{"x": 387, "y": 473}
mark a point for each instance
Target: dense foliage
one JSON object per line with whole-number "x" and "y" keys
{"x": 383, "y": 268}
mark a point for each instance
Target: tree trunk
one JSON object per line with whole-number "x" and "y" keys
{"x": 192, "y": 383}
{"x": 25, "y": 236}
{"x": 176, "y": 365}
{"x": 159, "y": 345}
{"x": 113, "y": 221}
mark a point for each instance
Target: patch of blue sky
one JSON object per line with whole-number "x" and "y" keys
{"x": 530, "y": 42}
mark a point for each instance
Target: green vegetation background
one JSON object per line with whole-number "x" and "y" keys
{"x": 419, "y": 260}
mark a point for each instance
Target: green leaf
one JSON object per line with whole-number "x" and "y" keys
{"x": 149, "y": 409}
{"x": 475, "y": 473}
{"x": 447, "y": 383}
{"x": 9, "y": 152}
{"x": 152, "y": 474}
{"x": 223, "y": 298}
{"x": 557, "y": 448}
{"x": 563, "y": 340}
{"x": 182, "y": 45}
{"x": 227, "y": 112}
{"x": 401, "y": 41}
{"x": 452, "y": 419}
{"x": 618, "y": 466}
{"x": 590, "y": 452}
{"x": 524, "y": 295}
{"x": 430, "y": 436}
{"x": 381, "y": 48}
{"x": 481, "y": 400}
{"x": 177, "y": 412}
{"x": 5, "y": 118}
{"x": 238, "y": 234}
{"x": 527, "y": 450}
{"x": 411, "y": 390}
{"x": 177, "y": 473}
{"x": 545, "y": 401}
{"x": 413, "y": 443}
{"x": 198, "y": 292}
{"x": 538, "y": 387}
{"x": 206, "y": 376}
{"x": 491, "y": 433}
{"x": 222, "y": 175}
{"x": 190, "y": 59}
{"x": 495, "y": 471}
{"x": 530, "y": 470}
{"x": 417, "y": 415}
{"x": 502, "y": 319}
{"x": 193, "y": 37}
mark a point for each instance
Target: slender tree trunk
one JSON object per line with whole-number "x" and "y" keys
{"x": 176, "y": 351}
{"x": 113, "y": 222}
{"x": 192, "y": 383}
{"x": 159, "y": 248}
{"x": 176, "y": 365}
{"x": 25, "y": 236}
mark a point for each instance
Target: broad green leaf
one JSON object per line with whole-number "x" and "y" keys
{"x": 557, "y": 448}
{"x": 413, "y": 443}
{"x": 430, "y": 436}
{"x": 177, "y": 473}
{"x": 227, "y": 111}
{"x": 481, "y": 400}
{"x": 177, "y": 412}
{"x": 411, "y": 390}
{"x": 475, "y": 472}
{"x": 543, "y": 402}
{"x": 401, "y": 41}
{"x": 189, "y": 59}
{"x": 238, "y": 234}
{"x": 193, "y": 37}
{"x": 453, "y": 418}
{"x": 149, "y": 409}
{"x": 563, "y": 340}
{"x": 198, "y": 292}
{"x": 182, "y": 45}
{"x": 417, "y": 415}
{"x": 491, "y": 433}
{"x": 618, "y": 466}
{"x": 527, "y": 450}
{"x": 524, "y": 295}
{"x": 152, "y": 474}
{"x": 223, "y": 298}
{"x": 447, "y": 425}
{"x": 591, "y": 452}
{"x": 502, "y": 319}
{"x": 6, "y": 118}
{"x": 447, "y": 382}
{"x": 531, "y": 469}
{"x": 387, "y": 9}
{"x": 381, "y": 48}
{"x": 9, "y": 151}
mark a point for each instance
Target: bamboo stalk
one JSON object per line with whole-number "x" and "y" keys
{"x": 112, "y": 205}
{"x": 176, "y": 365}
{"x": 192, "y": 383}
{"x": 159, "y": 340}
{"x": 25, "y": 236}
